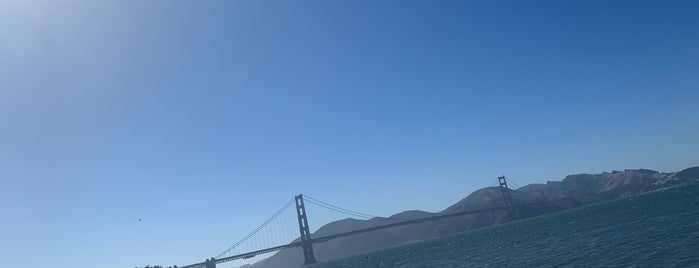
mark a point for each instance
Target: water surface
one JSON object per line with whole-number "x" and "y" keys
{"x": 659, "y": 229}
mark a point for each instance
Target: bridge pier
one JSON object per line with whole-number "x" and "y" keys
{"x": 307, "y": 245}
{"x": 210, "y": 263}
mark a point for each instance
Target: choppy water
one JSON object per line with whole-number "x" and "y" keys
{"x": 655, "y": 230}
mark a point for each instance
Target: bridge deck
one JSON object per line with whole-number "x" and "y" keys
{"x": 370, "y": 229}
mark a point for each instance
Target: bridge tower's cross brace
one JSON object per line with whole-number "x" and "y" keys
{"x": 307, "y": 245}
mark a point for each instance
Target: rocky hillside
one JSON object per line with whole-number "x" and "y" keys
{"x": 573, "y": 191}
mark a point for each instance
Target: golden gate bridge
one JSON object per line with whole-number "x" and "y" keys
{"x": 256, "y": 243}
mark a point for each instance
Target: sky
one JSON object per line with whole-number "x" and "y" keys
{"x": 203, "y": 117}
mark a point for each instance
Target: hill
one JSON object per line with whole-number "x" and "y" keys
{"x": 573, "y": 191}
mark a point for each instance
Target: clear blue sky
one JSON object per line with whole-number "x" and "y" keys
{"x": 203, "y": 117}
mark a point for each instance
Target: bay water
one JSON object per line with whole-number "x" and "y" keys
{"x": 659, "y": 229}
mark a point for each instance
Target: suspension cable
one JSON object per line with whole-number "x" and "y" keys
{"x": 494, "y": 182}
{"x": 265, "y": 223}
{"x": 339, "y": 209}
{"x": 514, "y": 183}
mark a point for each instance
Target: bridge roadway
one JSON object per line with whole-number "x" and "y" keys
{"x": 375, "y": 228}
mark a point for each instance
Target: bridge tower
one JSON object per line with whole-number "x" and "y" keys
{"x": 512, "y": 213}
{"x": 307, "y": 245}
{"x": 505, "y": 192}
